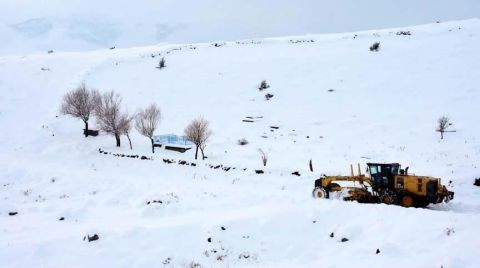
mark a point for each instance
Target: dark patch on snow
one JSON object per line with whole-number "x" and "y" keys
{"x": 92, "y": 238}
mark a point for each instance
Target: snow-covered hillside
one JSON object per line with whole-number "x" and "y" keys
{"x": 335, "y": 102}
{"x": 80, "y": 25}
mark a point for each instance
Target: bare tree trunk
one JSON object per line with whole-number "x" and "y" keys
{"x": 117, "y": 138}
{"x": 86, "y": 128}
{"x": 153, "y": 146}
{"x": 129, "y": 141}
{"x": 310, "y": 164}
{"x": 441, "y": 135}
{"x": 203, "y": 155}
{"x": 196, "y": 153}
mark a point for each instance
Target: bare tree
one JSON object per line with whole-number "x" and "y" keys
{"x": 443, "y": 124}
{"x": 264, "y": 157}
{"x": 198, "y": 133}
{"x": 126, "y": 127}
{"x": 147, "y": 121}
{"x": 80, "y": 103}
{"x": 110, "y": 118}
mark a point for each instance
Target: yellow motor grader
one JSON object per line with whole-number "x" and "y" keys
{"x": 386, "y": 183}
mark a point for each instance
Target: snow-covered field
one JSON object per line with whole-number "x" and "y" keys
{"x": 335, "y": 102}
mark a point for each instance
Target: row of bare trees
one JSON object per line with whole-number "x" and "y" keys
{"x": 83, "y": 103}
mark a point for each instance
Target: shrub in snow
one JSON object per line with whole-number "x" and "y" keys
{"x": 263, "y": 156}
{"x": 198, "y": 132}
{"x": 404, "y": 33}
{"x": 375, "y": 46}
{"x": 449, "y": 231}
{"x": 268, "y": 96}
{"x": 147, "y": 120}
{"x": 80, "y": 103}
{"x": 242, "y": 141}
{"x": 161, "y": 64}
{"x": 263, "y": 85}
{"x": 110, "y": 118}
{"x": 194, "y": 265}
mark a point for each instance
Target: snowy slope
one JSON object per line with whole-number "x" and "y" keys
{"x": 383, "y": 108}
{"x": 73, "y": 25}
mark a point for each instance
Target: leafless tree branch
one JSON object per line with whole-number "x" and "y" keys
{"x": 147, "y": 121}
{"x": 198, "y": 132}
{"x": 80, "y": 103}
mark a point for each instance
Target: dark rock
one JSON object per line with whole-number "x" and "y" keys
{"x": 94, "y": 237}
{"x": 296, "y": 173}
{"x": 61, "y": 219}
{"x": 332, "y": 234}
{"x": 209, "y": 240}
{"x": 193, "y": 164}
{"x": 13, "y": 213}
{"x": 344, "y": 239}
{"x": 144, "y": 157}
{"x": 477, "y": 182}
{"x": 378, "y": 251}
{"x": 223, "y": 228}
{"x": 259, "y": 171}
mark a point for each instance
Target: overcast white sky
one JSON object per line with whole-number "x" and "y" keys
{"x": 140, "y": 22}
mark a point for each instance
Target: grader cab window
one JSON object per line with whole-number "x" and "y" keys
{"x": 383, "y": 174}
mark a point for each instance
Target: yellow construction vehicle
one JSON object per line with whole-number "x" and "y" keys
{"x": 386, "y": 183}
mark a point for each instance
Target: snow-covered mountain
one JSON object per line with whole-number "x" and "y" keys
{"x": 334, "y": 102}
{"x": 74, "y": 25}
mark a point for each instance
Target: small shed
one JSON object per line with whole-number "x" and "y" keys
{"x": 173, "y": 142}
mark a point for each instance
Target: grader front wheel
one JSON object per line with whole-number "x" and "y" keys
{"x": 319, "y": 193}
{"x": 407, "y": 201}
{"x": 388, "y": 198}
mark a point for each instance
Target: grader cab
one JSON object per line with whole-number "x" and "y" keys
{"x": 386, "y": 183}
